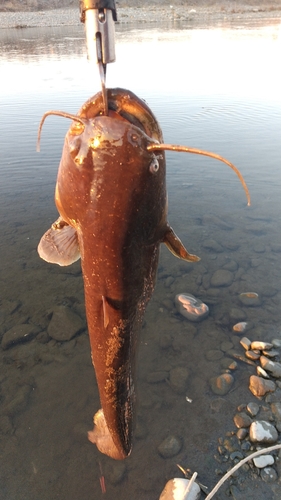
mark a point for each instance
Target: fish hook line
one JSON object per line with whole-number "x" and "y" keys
{"x": 185, "y": 149}
{"x": 55, "y": 113}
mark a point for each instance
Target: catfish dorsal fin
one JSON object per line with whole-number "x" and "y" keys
{"x": 177, "y": 248}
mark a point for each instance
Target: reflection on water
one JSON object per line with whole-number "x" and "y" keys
{"x": 217, "y": 90}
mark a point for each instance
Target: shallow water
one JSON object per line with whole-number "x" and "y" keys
{"x": 214, "y": 88}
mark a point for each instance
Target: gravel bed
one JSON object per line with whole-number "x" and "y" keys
{"x": 152, "y": 14}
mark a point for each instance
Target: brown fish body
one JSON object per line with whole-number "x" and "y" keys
{"x": 111, "y": 196}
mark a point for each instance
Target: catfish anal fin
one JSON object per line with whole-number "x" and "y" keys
{"x": 177, "y": 248}
{"x": 59, "y": 245}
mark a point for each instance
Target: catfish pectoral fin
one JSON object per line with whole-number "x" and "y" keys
{"x": 59, "y": 245}
{"x": 175, "y": 246}
{"x": 101, "y": 437}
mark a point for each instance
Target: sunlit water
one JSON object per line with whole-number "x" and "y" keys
{"x": 216, "y": 89}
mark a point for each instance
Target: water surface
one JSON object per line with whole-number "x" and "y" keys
{"x": 212, "y": 88}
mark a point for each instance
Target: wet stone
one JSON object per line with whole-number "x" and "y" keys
{"x": 241, "y": 433}
{"x": 261, "y": 372}
{"x": 242, "y": 420}
{"x": 249, "y": 299}
{"x": 273, "y": 367}
{"x": 231, "y": 266}
{"x": 276, "y": 342}
{"x": 263, "y": 461}
{"x": 237, "y": 314}
{"x": 65, "y": 324}
{"x": 240, "y": 327}
{"x": 257, "y": 344}
{"x": 273, "y": 353}
{"x": 259, "y": 386}
{"x": 170, "y": 447}
{"x": 178, "y": 379}
{"x": 246, "y": 343}
{"x": 253, "y": 409}
{"x": 222, "y": 277}
{"x": 276, "y": 410}
{"x": 222, "y": 384}
{"x": 214, "y": 355}
{"x": 19, "y": 334}
{"x": 212, "y": 245}
{"x": 269, "y": 475}
{"x": 190, "y": 307}
{"x": 254, "y": 356}
{"x": 263, "y": 432}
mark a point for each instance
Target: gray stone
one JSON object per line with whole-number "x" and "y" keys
{"x": 178, "y": 379}
{"x": 259, "y": 386}
{"x": 276, "y": 410}
{"x": 253, "y": 409}
{"x": 242, "y": 420}
{"x": 272, "y": 367}
{"x": 262, "y": 373}
{"x": 222, "y": 384}
{"x": 212, "y": 245}
{"x": 170, "y": 447}
{"x": 65, "y": 324}
{"x": 175, "y": 489}
{"x": 190, "y": 307}
{"x": 273, "y": 353}
{"x": 269, "y": 475}
{"x": 19, "y": 334}
{"x": 276, "y": 342}
{"x": 263, "y": 432}
{"x": 241, "y": 433}
{"x": 222, "y": 277}
{"x": 263, "y": 461}
{"x": 156, "y": 377}
{"x": 249, "y": 299}
{"x": 246, "y": 343}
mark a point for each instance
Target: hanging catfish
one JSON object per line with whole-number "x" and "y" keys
{"x": 111, "y": 197}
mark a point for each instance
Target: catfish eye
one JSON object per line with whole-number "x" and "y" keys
{"x": 154, "y": 166}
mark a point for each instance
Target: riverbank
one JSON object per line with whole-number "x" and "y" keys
{"x": 218, "y": 12}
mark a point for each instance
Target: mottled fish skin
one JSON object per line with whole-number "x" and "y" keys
{"x": 112, "y": 191}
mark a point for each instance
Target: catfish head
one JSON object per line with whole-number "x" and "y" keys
{"x": 111, "y": 197}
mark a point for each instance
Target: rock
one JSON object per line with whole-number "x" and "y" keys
{"x": 212, "y": 245}
{"x": 263, "y": 461}
{"x": 170, "y": 447}
{"x": 246, "y": 343}
{"x": 190, "y": 307}
{"x": 214, "y": 355}
{"x": 254, "y": 356}
{"x": 222, "y": 384}
{"x": 65, "y": 324}
{"x": 272, "y": 367}
{"x": 240, "y": 327}
{"x": 175, "y": 490}
{"x": 268, "y": 475}
{"x": 249, "y": 299}
{"x": 276, "y": 410}
{"x": 259, "y": 386}
{"x": 222, "y": 277}
{"x": 242, "y": 420}
{"x": 253, "y": 409}
{"x": 257, "y": 344}
{"x": 231, "y": 266}
{"x": 273, "y": 353}
{"x": 19, "y": 334}
{"x": 178, "y": 379}
{"x": 156, "y": 377}
{"x": 276, "y": 342}
{"x": 241, "y": 433}
{"x": 237, "y": 314}
{"x": 263, "y": 432}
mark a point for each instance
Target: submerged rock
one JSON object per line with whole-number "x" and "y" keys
{"x": 19, "y": 334}
{"x": 222, "y": 277}
{"x": 249, "y": 299}
{"x": 272, "y": 367}
{"x": 170, "y": 447}
{"x": 65, "y": 324}
{"x": 259, "y": 386}
{"x": 190, "y": 307}
{"x": 263, "y": 432}
{"x": 222, "y": 384}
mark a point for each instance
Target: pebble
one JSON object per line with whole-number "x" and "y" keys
{"x": 178, "y": 379}
{"x": 222, "y": 277}
{"x": 253, "y": 409}
{"x": 276, "y": 410}
{"x": 249, "y": 299}
{"x": 212, "y": 245}
{"x": 261, "y": 372}
{"x": 268, "y": 475}
{"x": 18, "y": 334}
{"x": 254, "y": 356}
{"x": 273, "y": 353}
{"x": 175, "y": 490}
{"x": 276, "y": 342}
{"x": 259, "y": 386}
{"x": 65, "y": 324}
{"x": 263, "y": 432}
{"x": 273, "y": 367}
{"x": 222, "y": 384}
{"x": 190, "y": 307}
{"x": 170, "y": 447}
{"x": 260, "y": 346}
{"x": 241, "y": 433}
{"x": 245, "y": 342}
{"x": 263, "y": 461}
{"x": 240, "y": 327}
{"x": 242, "y": 420}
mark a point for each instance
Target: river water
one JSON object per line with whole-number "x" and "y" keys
{"x": 215, "y": 88}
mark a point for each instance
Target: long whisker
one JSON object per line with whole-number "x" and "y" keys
{"x": 184, "y": 149}
{"x": 56, "y": 113}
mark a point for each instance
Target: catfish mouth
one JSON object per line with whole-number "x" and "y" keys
{"x": 124, "y": 105}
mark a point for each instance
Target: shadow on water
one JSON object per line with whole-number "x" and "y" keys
{"x": 48, "y": 389}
